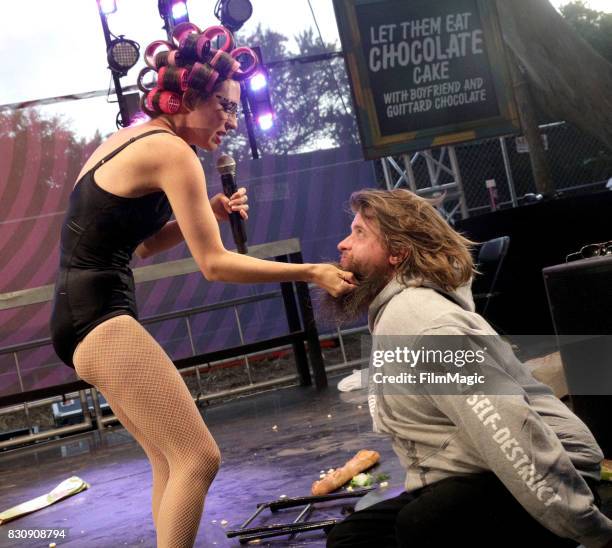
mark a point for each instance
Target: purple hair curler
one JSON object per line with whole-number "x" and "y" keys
{"x": 243, "y": 73}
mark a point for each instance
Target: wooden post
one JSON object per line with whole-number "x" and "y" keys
{"x": 537, "y": 155}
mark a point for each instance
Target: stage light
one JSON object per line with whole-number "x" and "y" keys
{"x": 233, "y": 13}
{"x": 173, "y": 12}
{"x": 257, "y": 91}
{"x": 107, "y": 6}
{"x": 122, "y": 55}
{"x": 265, "y": 121}
{"x": 179, "y": 12}
{"x": 258, "y": 81}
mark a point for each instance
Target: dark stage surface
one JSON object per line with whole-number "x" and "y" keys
{"x": 259, "y": 465}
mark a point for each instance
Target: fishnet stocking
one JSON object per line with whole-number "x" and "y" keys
{"x": 159, "y": 464}
{"x": 150, "y": 398}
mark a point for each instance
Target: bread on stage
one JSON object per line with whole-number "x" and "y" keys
{"x": 363, "y": 460}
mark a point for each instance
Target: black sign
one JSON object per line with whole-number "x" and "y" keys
{"x": 422, "y": 69}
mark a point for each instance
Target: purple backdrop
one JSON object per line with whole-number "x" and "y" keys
{"x": 302, "y": 196}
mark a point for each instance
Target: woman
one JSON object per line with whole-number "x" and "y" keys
{"x": 122, "y": 203}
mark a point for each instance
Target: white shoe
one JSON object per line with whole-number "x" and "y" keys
{"x": 352, "y": 382}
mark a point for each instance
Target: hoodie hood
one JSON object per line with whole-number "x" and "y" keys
{"x": 462, "y": 296}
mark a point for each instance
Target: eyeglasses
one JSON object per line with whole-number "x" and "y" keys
{"x": 591, "y": 250}
{"x": 228, "y": 106}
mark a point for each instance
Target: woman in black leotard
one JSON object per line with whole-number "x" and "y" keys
{"x": 122, "y": 204}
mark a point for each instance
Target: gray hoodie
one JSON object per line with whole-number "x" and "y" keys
{"x": 545, "y": 451}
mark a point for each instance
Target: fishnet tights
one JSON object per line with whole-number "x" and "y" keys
{"x": 151, "y": 400}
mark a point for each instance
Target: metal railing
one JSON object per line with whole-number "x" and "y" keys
{"x": 150, "y": 273}
{"x": 101, "y": 421}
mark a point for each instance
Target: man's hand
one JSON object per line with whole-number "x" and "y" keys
{"x": 222, "y": 206}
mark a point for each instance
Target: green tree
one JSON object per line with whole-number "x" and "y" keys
{"x": 311, "y": 99}
{"x": 19, "y": 125}
{"x": 594, "y": 26}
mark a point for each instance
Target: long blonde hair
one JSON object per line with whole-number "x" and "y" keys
{"x": 411, "y": 227}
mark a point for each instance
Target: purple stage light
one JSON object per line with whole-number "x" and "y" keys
{"x": 108, "y": 6}
{"x": 258, "y": 81}
{"x": 179, "y": 10}
{"x": 265, "y": 121}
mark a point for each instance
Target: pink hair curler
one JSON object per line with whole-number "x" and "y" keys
{"x": 202, "y": 77}
{"x": 166, "y": 59}
{"x": 243, "y": 73}
{"x": 194, "y": 47}
{"x": 179, "y": 85}
{"x": 229, "y": 69}
{"x": 182, "y": 30}
{"x": 140, "y": 81}
{"x": 203, "y": 47}
{"x": 173, "y": 58}
{"x": 167, "y": 102}
{"x": 153, "y": 48}
{"x": 218, "y": 30}
{"x": 211, "y": 83}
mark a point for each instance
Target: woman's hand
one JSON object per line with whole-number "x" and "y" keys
{"x": 222, "y": 206}
{"x": 335, "y": 281}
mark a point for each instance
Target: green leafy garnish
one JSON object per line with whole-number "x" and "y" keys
{"x": 361, "y": 480}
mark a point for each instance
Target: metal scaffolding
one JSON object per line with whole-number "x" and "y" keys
{"x": 445, "y": 163}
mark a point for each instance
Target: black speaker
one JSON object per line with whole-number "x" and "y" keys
{"x": 580, "y": 301}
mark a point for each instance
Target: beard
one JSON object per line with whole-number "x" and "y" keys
{"x": 351, "y": 306}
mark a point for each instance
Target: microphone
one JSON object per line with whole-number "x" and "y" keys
{"x": 227, "y": 169}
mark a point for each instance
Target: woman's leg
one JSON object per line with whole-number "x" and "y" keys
{"x": 121, "y": 359}
{"x": 160, "y": 469}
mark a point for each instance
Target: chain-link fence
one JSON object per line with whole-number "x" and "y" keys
{"x": 578, "y": 163}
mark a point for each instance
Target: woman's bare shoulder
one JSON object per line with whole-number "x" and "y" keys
{"x": 145, "y": 160}
{"x": 114, "y": 141}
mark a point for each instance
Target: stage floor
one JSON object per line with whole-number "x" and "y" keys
{"x": 314, "y": 431}
{"x": 272, "y": 444}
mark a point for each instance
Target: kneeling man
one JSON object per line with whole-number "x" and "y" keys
{"x": 492, "y": 457}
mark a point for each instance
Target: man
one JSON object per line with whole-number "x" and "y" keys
{"x": 504, "y": 465}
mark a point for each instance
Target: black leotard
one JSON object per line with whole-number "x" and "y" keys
{"x": 100, "y": 232}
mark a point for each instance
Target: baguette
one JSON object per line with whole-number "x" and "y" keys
{"x": 363, "y": 460}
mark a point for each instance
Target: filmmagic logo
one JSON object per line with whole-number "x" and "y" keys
{"x": 512, "y": 450}
{"x": 435, "y": 357}
{"x": 428, "y": 378}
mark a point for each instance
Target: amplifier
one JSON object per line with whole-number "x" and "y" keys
{"x": 580, "y": 301}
